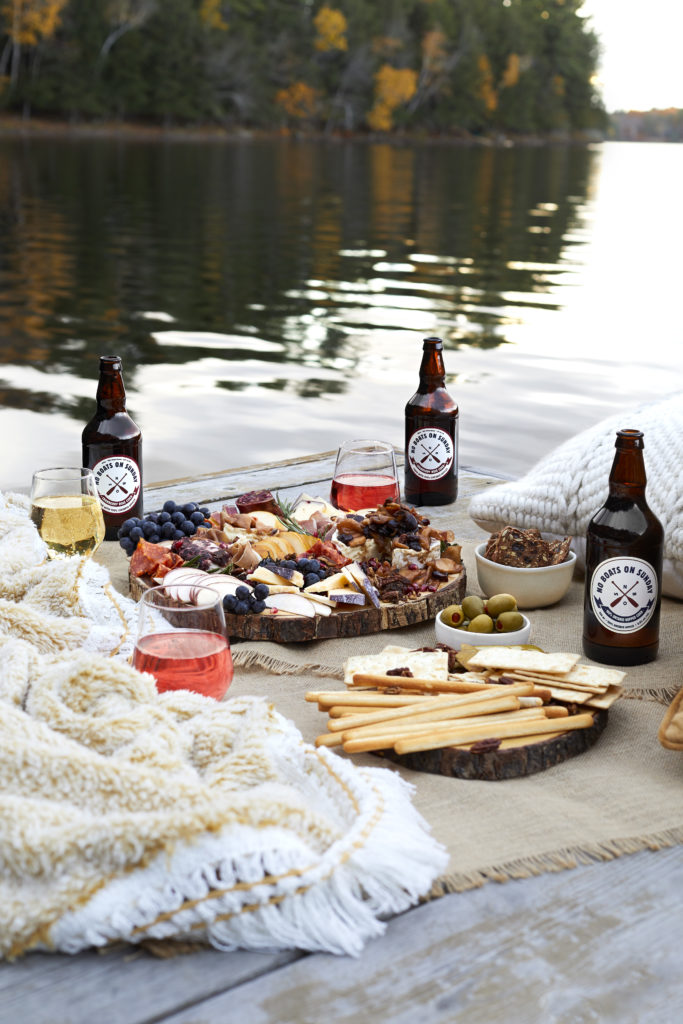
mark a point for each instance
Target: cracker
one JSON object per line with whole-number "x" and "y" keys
{"x": 423, "y": 664}
{"x": 555, "y": 680}
{"x": 514, "y": 658}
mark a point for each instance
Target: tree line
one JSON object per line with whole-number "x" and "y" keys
{"x": 342, "y": 66}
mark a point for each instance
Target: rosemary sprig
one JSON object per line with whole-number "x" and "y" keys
{"x": 287, "y": 517}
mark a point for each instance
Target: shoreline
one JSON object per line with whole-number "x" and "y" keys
{"x": 40, "y": 127}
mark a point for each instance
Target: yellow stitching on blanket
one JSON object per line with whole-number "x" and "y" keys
{"x": 124, "y": 636}
{"x": 273, "y": 879}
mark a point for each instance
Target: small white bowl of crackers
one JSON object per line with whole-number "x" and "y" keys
{"x": 536, "y": 571}
{"x": 406, "y": 701}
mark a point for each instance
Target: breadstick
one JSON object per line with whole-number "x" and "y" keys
{"x": 406, "y": 727}
{"x": 502, "y": 731}
{"x": 348, "y": 726}
{"x": 363, "y": 679}
{"x": 371, "y": 698}
{"x": 458, "y": 701}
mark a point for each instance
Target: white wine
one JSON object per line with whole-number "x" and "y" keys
{"x": 70, "y": 524}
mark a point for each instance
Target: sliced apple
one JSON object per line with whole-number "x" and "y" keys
{"x": 267, "y": 521}
{"x": 296, "y": 604}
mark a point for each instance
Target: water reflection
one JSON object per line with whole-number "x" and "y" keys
{"x": 276, "y": 272}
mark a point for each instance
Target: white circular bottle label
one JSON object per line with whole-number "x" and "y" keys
{"x": 623, "y": 593}
{"x": 430, "y": 453}
{"x": 118, "y": 483}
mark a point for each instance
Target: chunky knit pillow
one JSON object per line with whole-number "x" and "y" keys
{"x": 561, "y": 492}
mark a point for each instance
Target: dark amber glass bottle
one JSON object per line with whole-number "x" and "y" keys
{"x": 624, "y": 548}
{"x": 112, "y": 448}
{"x": 431, "y": 458}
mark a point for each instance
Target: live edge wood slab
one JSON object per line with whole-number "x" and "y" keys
{"x": 347, "y": 622}
{"x": 504, "y": 763}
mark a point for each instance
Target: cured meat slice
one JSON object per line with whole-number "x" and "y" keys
{"x": 148, "y": 558}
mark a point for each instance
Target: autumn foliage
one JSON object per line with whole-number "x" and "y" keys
{"x": 433, "y": 66}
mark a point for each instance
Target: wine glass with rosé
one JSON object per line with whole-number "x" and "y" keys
{"x": 182, "y": 640}
{"x": 365, "y": 475}
{"x": 66, "y": 511}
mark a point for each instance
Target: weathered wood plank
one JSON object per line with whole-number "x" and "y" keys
{"x": 121, "y": 986}
{"x": 598, "y": 943}
{"x": 288, "y": 477}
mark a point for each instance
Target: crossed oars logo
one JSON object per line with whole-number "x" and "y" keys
{"x": 117, "y": 485}
{"x": 430, "y": 455}
{"x": 624, "y": 593}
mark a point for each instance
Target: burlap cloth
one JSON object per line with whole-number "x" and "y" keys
{"x": 621, "y": 796}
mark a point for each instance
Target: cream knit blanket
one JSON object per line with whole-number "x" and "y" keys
{"x": 128, "y": 815}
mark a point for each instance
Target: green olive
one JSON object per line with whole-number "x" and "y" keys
{"x": 481, "y": 624}
{"x": 508, "y": 622}
{"x": 500, "y": 603}
{"x": 453, "y": 615}
{"x": 472, "y": 606}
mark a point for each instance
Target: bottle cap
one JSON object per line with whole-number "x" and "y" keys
{"x": 110, "y": 362}
{"x": 634, "y": 438}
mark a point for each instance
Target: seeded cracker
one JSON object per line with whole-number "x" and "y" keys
{"x": 525, "y": 549}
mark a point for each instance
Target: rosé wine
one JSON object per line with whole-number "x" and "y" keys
{"x": 186, "y": 660}
{"x": 352, "y": 491}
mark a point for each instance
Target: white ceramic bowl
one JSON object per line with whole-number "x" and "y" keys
{"x": 532, "y": 588}
{"x": 457, "y": 637}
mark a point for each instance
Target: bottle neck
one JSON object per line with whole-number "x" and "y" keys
{"x": 627, "y": 477}
{"x": 432, "y": 370}
{"x": 111, "y": 394}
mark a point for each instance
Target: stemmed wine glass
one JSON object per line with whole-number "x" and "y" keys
{"x": 182, "y": 640}
{"x": 66, "y": 511}
{"x": 364, "y": 476}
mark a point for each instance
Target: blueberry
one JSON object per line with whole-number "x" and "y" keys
{"x": 178, "y": 518}
{"x": 288, "y": 563}
{"x": 229, "y": 602}
{"x": 260, "y": 591}
{"x": 152, "y": 517}
{"x": 206, "y": 512}
{"x": 189, "y": 508}
{"x": 147, "y": 530}
{"x": 314, "y": 565}
{"x": 310, "y": 578}
{"x": 155, "y": 538}
{"x": 135, "y": 534}
{"x": 167, "y": 531}
{"x": 124, "y": 529}
{"x": 188, "y": 528}
{"x": 170, "y": 505}
{"x": 242, "y": 593}
{"x": 197, "y": 518}
{"x": 178, "y": 535}
{"x": 304, "y": 565}
{"x": 241, "y": 608}
{"x": 258, "y": 606}
{"x": 164, "y": 517}
{"x": 127, "y": 545}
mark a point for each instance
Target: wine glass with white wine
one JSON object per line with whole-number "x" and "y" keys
{"x": 66, "y": 511}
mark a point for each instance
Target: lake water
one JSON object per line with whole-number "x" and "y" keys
{"x": 269, "y": 298}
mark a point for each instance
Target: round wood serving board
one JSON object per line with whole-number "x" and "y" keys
{"x": 345, "y": 622}
{"x": 506, "y": 762}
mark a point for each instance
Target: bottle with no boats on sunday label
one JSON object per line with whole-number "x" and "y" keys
{"x": 431, "y": 436}
{"x": 624, "y": 549}
{"x": 112, "y": 448}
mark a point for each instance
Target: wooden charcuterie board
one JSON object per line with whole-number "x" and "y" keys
{"x": 507, "y": 762}
{"x": 346, "y": 622}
